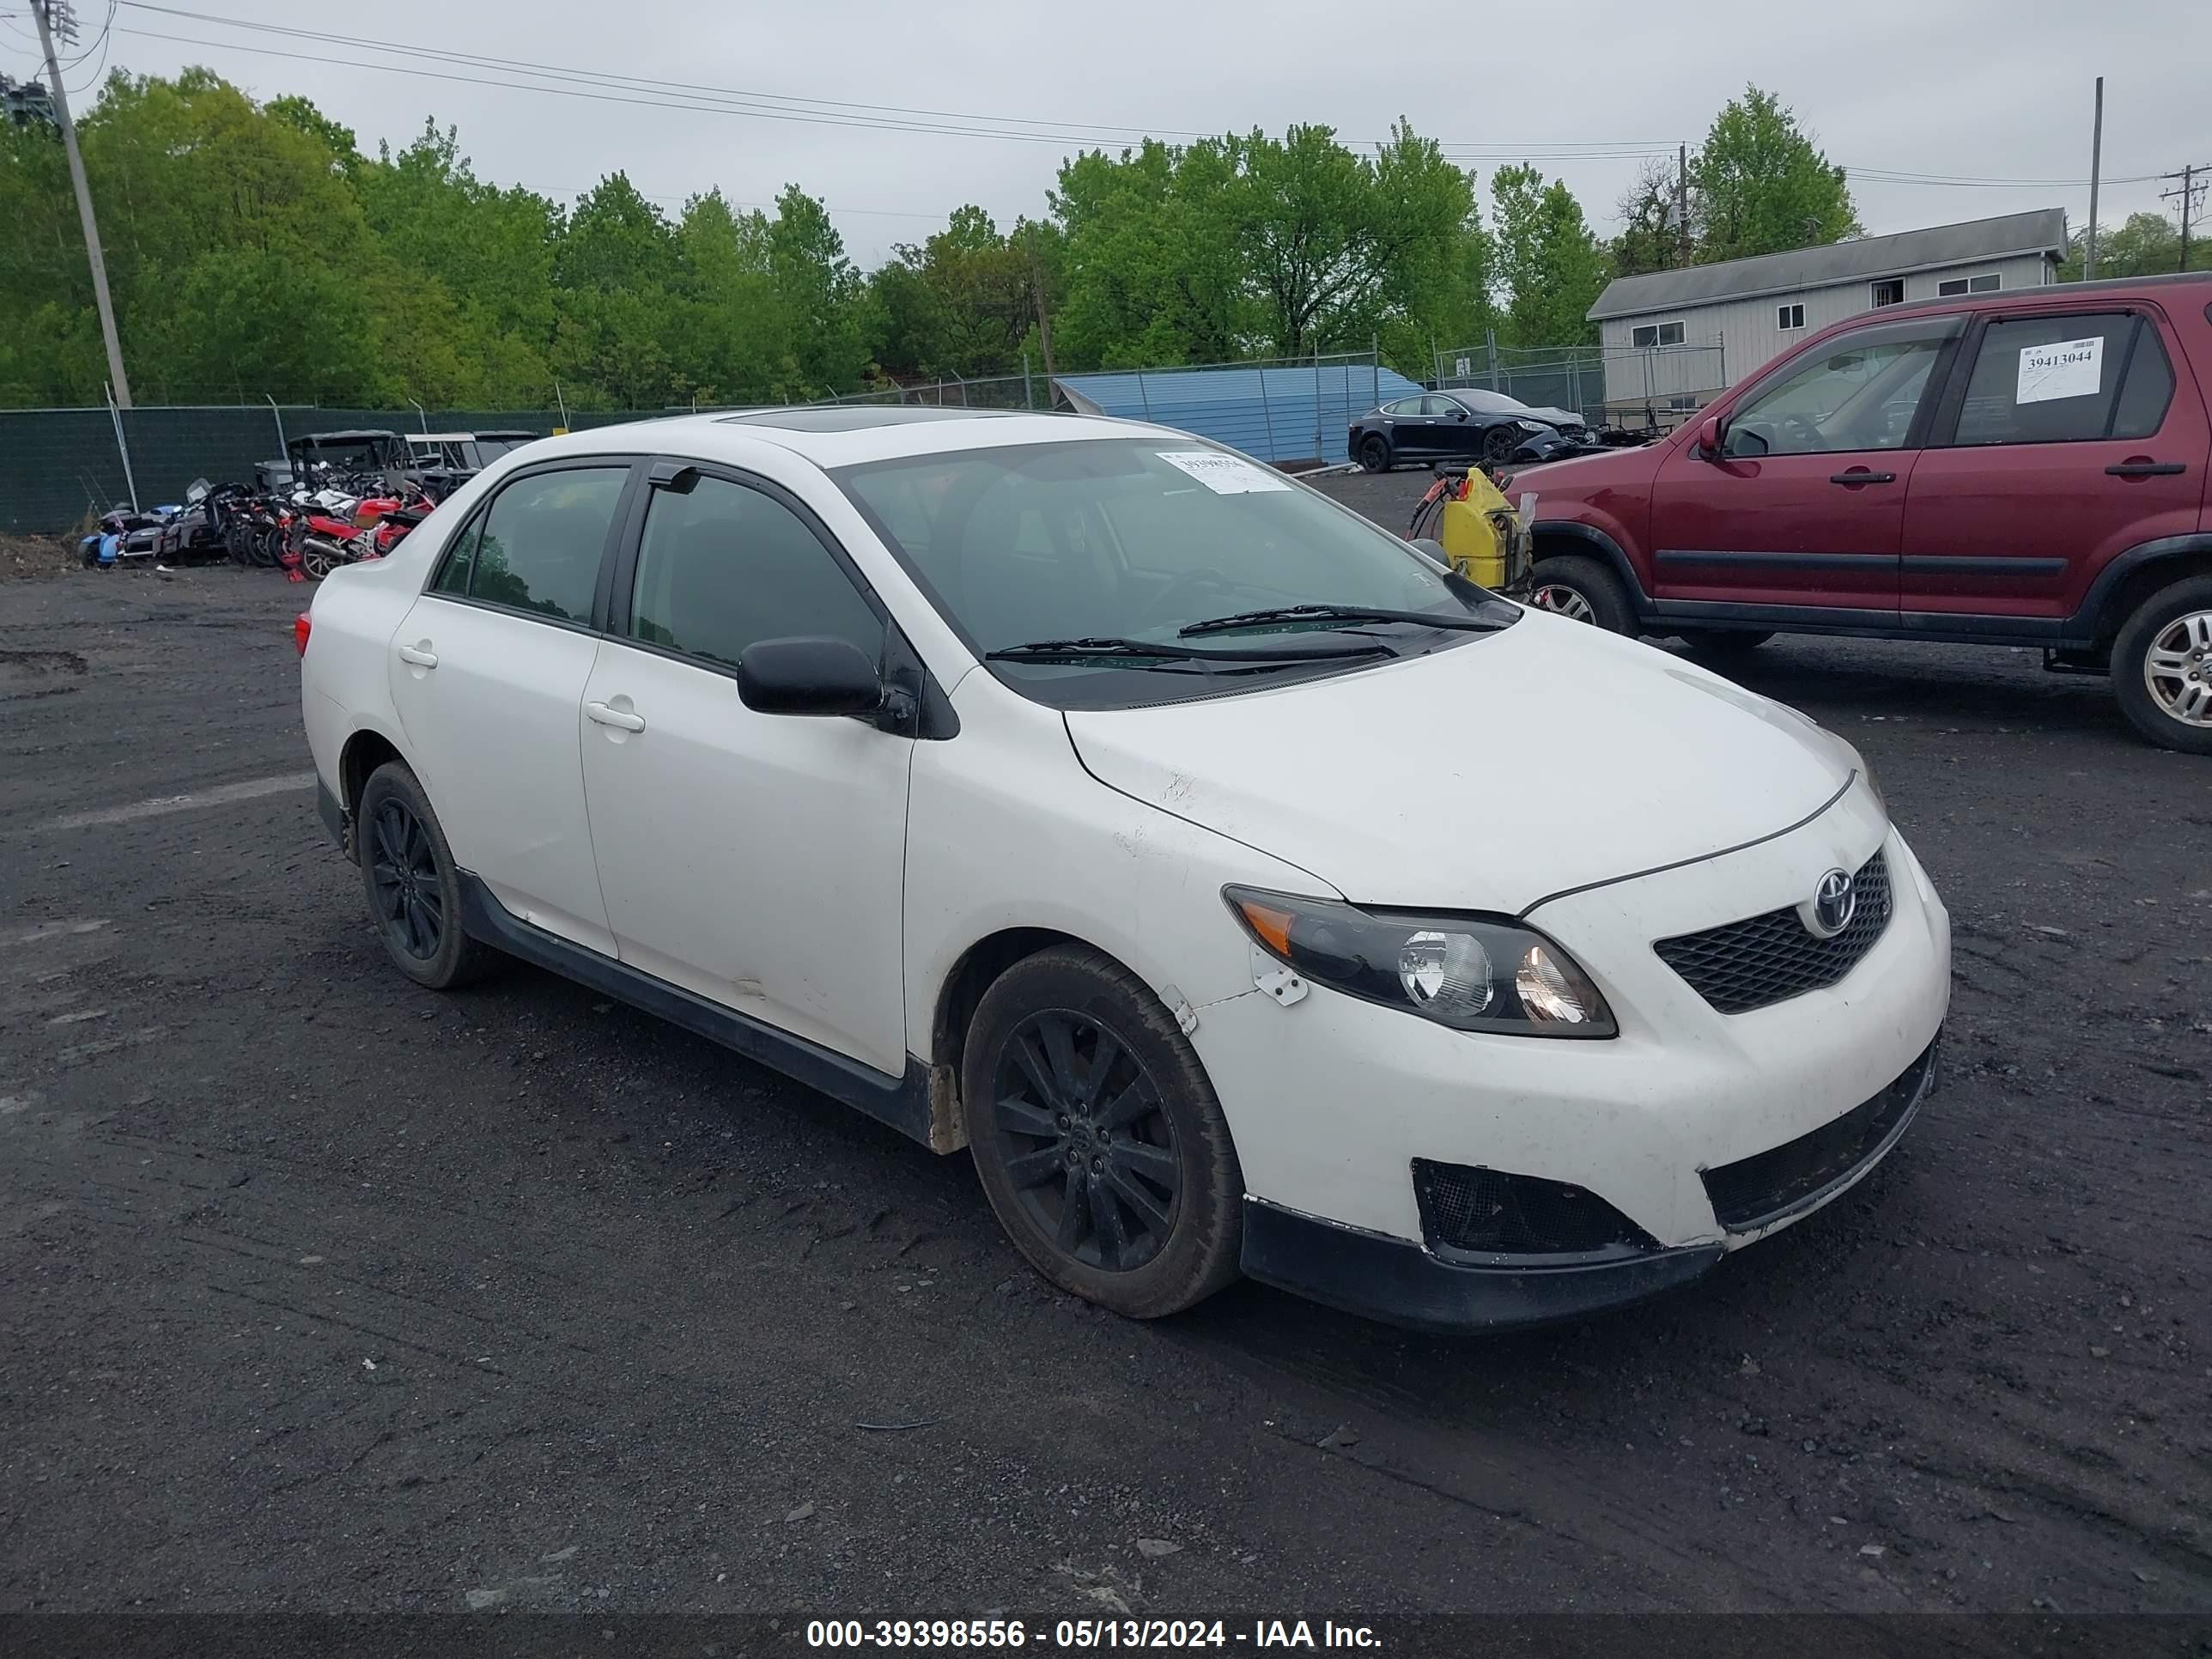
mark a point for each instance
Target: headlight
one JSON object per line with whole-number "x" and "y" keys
{"x": 1532, "y": 426}
{"x": 1471, "y": 973}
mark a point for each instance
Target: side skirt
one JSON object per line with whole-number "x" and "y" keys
{"x": 901, "y": 1102}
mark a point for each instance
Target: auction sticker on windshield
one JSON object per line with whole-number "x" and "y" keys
{"x": 1225, "y": 475}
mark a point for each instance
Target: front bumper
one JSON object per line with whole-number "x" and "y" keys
{"x": 1427, "y": 1288}
{"x": 1674, "y": 1124}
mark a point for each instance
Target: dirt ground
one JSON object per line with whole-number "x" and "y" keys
{"x": 319, "y": 1292}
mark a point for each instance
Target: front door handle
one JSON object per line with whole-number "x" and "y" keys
{"x": 620, "y": 719}
{"x": 2146, "y": 470}
{"x": 1859, "y": 475}
{"x": 420, "y": 655}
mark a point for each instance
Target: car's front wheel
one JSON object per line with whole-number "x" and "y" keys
{"x": 1579, "y": 588}
{"x": 413, "y": 885}
{"x": 1375, "y": 453}
{"x": 2162, "y": 666}
{"x": 1099, "y": 1141}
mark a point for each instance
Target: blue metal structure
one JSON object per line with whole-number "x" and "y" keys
{"x": 1286, "y": 412}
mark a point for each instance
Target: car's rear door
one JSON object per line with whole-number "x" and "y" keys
{"x": 487, "y": 671}
{"x": 1803, "y": 508}
{"x": 755, "y": 859}
{"x": 2074, "y": 432}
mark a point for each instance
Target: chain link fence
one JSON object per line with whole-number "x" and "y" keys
{"x": 61, "y": 468}
{"x": 1650, "y": 387}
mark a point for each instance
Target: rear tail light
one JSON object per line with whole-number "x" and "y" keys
{"x": 302, "y": 625}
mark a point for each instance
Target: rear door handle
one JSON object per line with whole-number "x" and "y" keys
{"x": 619, "y": 718}
{"x": 417, "y": 655}
{"x": 2146, "y": 470}
{"x": 1862, "y": 477}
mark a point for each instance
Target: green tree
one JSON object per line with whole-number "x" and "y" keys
{"x": 1763, "y": 186}
{"x": 1649, "y": 211}
{"x": 2144, "y": 245}
{"x": 1549, "y": 266}
{"x": 821, "y": 293}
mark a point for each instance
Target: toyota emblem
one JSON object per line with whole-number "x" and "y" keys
{"x": 1834, "y": 900}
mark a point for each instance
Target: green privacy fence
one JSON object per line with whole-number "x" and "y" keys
{"x": 59, "y": 466}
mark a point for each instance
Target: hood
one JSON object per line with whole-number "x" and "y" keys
{"x": 1557, "y": 416}
{"x": 1485, "y": 776}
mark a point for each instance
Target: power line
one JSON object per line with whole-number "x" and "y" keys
{"x": 654, "y": 92}
{"x": 681, "y": 95}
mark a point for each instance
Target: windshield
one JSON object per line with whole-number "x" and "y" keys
{"x": 1133, "y": 540}
{"x": 1490, "y": 403}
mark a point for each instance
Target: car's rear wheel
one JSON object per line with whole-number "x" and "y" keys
{"x": 1578, "y": 587}
{"x": 1099, "y": 1142}
{"x": 2162, "y": 666}
{"x": 1375, "y": 454}
{"x": 413, "y": 885}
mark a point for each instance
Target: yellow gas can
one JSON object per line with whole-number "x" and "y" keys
{"x": 1483, "y": 536}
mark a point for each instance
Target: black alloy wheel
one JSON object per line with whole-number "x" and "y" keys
{"x": 1499, "y": 442}
{"x": 1093, "y": 1156}
{"x": 1375, "y": 453}
{"x": 403, "y": 878}
{"x": 1097, "y": 1137}
{"x": 413, "y": 885}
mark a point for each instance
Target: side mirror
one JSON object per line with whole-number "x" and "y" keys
{"x": 1709, "y": 437}
{"x": 808, "y": 675}
{"x": 1458, "y": 411}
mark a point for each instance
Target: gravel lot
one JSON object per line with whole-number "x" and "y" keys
{"x": 321, "y": 1293}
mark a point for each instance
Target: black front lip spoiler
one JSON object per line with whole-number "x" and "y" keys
{"x": 1395, "y": 1280}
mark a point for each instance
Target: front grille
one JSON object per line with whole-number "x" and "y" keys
{"x": 1770, "y": 958}
{"x": 1753, "y": 1191}
{"x": 1492, "y": 1213}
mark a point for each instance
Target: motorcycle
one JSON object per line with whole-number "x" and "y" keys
{"x": 334, "y": 526}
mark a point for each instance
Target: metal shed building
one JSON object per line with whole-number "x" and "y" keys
{"x": 1677, "y": 338}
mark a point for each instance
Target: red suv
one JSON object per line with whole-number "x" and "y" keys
{"x": 2018, "y": 468}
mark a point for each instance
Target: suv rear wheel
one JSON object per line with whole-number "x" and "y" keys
{"x": 2162, "y": 666}
{"x": 1575, "y": 586}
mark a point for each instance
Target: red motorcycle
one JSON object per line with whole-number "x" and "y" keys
{"x": 332, "y": 526}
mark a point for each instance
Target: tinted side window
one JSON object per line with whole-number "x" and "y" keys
{"x": 725, "y": 566}
{"x": 543, "y": 540}
{"x": 453, "y": 572}
{"x": 2057, "y": 380}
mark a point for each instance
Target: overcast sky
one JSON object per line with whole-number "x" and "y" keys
{"x": 1963, "y": 88}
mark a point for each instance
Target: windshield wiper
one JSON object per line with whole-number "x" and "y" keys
{"x": 1077, "y": 650}
{"x": 1347, "y": 613}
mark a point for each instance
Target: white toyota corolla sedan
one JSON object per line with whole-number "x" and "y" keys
{"x": 1244, "y": 890}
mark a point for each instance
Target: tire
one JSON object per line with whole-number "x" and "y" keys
{"x": 1498, "y": 444}
{"x": 318, "y": 557}
{"x": 2162, "y": 666}
{"x": 1150, "y": 1130}
{"x": 1375, "y": 454}
{"x": 1575, "y": 585}
{"x": 412, "y": 884}
{"x": 1723, "y": 645}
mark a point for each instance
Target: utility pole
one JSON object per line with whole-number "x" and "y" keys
{"x": 1043, "y": 314}
{"x": 1682, "y": 204}
{"x": 61, "y": 20}
{"x": 2187, "y": 192}
{"x": 2096, "y": 168}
